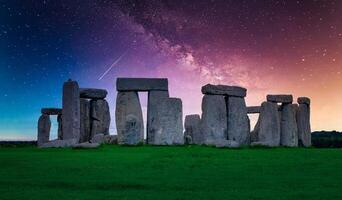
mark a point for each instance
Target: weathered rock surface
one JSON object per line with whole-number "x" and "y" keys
{"x": 303, "y": 100}
{"x": 51, "y": 111}
{"x": 280, "y": 98}
{"x": 269, "y": 124}
{"x": 254, "y": 135}
{"x": 214, "y": 119}
{"x": 129, "y": 119}
{"x": 192, "y": 127}
{"x": 238, "y": 121}
{"x": 304, "y": 127}
{"x": 224, "y": 90}
{"x": 154, "y": 98}
{"x": 60, "y": 143}
{"x": 100, "y": 117}
{"x": 227, "y": 144}
{"x": 44, "y": 125}
{"x": 141, "y": 84}
{"x": 289, "y": 130}
{"x": 187, "y": 139}
{"x": 85, "y": 120}
{"x": 60, "y": 128}
{"x": 92, "y": 93}
{"x": 111, "y": 139}
{"x": 98, "y": 138}
{"x": 86, "y": 145}
{"x": 168, "y": 125}
{"x": 253, "y": 109}
{"x": 71, "y": 110}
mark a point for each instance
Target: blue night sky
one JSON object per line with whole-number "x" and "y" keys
{"x": 266, "y": 46}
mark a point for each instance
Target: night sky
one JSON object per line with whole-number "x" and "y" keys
{"x": 266, "y": 46}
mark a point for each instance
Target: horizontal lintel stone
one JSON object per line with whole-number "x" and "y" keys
{"x": 303, "y": 100}
{"x": 280, "y": 98}
{"x": 51, "y": 111}
{"x": 93, "y": 93}
{"x": 253, "y": 109}
{"x": 141, "y": 84}
{"x": 224, "y": 90}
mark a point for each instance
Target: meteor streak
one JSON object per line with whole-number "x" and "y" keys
{"x": 112, "y": 65}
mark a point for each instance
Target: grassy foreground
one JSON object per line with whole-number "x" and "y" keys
{"x": 189, "y": 172}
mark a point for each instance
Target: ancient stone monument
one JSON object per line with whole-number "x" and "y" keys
{"x": 193, "y": 133}
{"x": 303, "y": 120}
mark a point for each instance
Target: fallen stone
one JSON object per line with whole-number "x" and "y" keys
{"x": 60, "y": 143}
{"x": 224, "y": 90}
{"x": 129, "y": 119}
{"x": 304, "y": 127}
{"x": 44, "y": 125}
{"x": 100, "y": 117}
{"x": 289, "y": 130}
{"x": 238, "y": 121}
{"x": 253, "y": 109}
{"x": 92, "y": 93}
{"x": 214, "y": 119}
{"x": 85, "y": 131}
{"x": 227, "y": 144}
{"x": 51, "y": 111}
{"x": 192, "y": 127}
{"x": 71, "y": 110}
{"x": 98, "y": 138}
{"x": 280, "y": 98}
{"x": 303, "y": 100}
{"x": 154, "y": 98}
{"x": 168, "y": 125}
{"x": 269, "y": 124}
{"x": 141, "y": 84}
{"x": 86, "y": 145}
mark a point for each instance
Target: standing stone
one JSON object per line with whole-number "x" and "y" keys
{"x": 268, "y": 125}
{"x": 303, "y": 122}
{"x": 44, "y": 125}
{"x": 100, "y": 117}
{"x": 85, "y": 120}
{"x": 154, "y": 98}
{"x": 214, "y": 119}
{"x": 289, "y": 130}
{"x": 129, "y": 119}
{"x": 254, "y": 135}
{"x": 238, "y": 121}
{"x": 168, "y": 124}
{"x": 192, "y": 128}
{"x": 60, "y": 127}
{"x": 71, "y": 110}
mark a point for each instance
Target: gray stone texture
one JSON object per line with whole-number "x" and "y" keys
{"x": 192, "y": 126}
{"x": 269, "y": 125}
{"x": 304, "y": 127}
{"x": 60, "y": 128}
{"x": 254, "y": 133}
{"x": 154, "y": 98}
{"x": 51, "y": 111}
{"x": 227, "y": 144}
{"x": 303, "y": 100}
{"x": 44, "y": 125}
{"x": 92, "y": 93}
{"x": 71, "y": 110}
{"x": 253, "y": 109}
{"x": 280, "y": 98}
{"x": 85, "y": 120}
{"x": 168, "y": 124}
{"x": 288, "y": 126}
{"x": 238, "y": 121}
{"x": 129, "y": 119}
{"x": 100, "y": 117}
{"x": 224, "y": 90}
{"x": 60, "y": 143}
{"x": 141, "y": 84}
{"x": 86, "y": 145}
{"x": 214, "y": 119}
{"x": 98, "y": 138}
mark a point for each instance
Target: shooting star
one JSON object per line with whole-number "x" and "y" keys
{"x": 113, "y": 64}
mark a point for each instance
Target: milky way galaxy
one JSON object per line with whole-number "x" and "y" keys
{"x": 266, "y": 46}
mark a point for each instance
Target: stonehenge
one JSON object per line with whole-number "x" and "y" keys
{"x": 84, "y": 119}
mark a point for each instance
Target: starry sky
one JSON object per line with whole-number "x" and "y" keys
{"x": 266, "y": 46}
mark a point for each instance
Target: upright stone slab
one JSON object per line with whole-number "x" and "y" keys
{"x": 214, "y": 119}
{"x": 289, "y": 130}
{"x": 268, "y": 125}
{"x": 85, "y": 120}
{"x": 100, "y": 117}
{"x": 154, "y": 98}
{"x": 60, "y": 127}
{"x": 303, "y": 122}
{"x": 44, "y": 125}
{"x": 238, "y": 121}
{"x": 192, "y": 128}
{"x": 71, "y": 110}
{"x": 129, "y": 119}
{"x": 168, "y": 125}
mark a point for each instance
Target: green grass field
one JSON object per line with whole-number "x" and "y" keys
{"x": 189, "y": 172}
